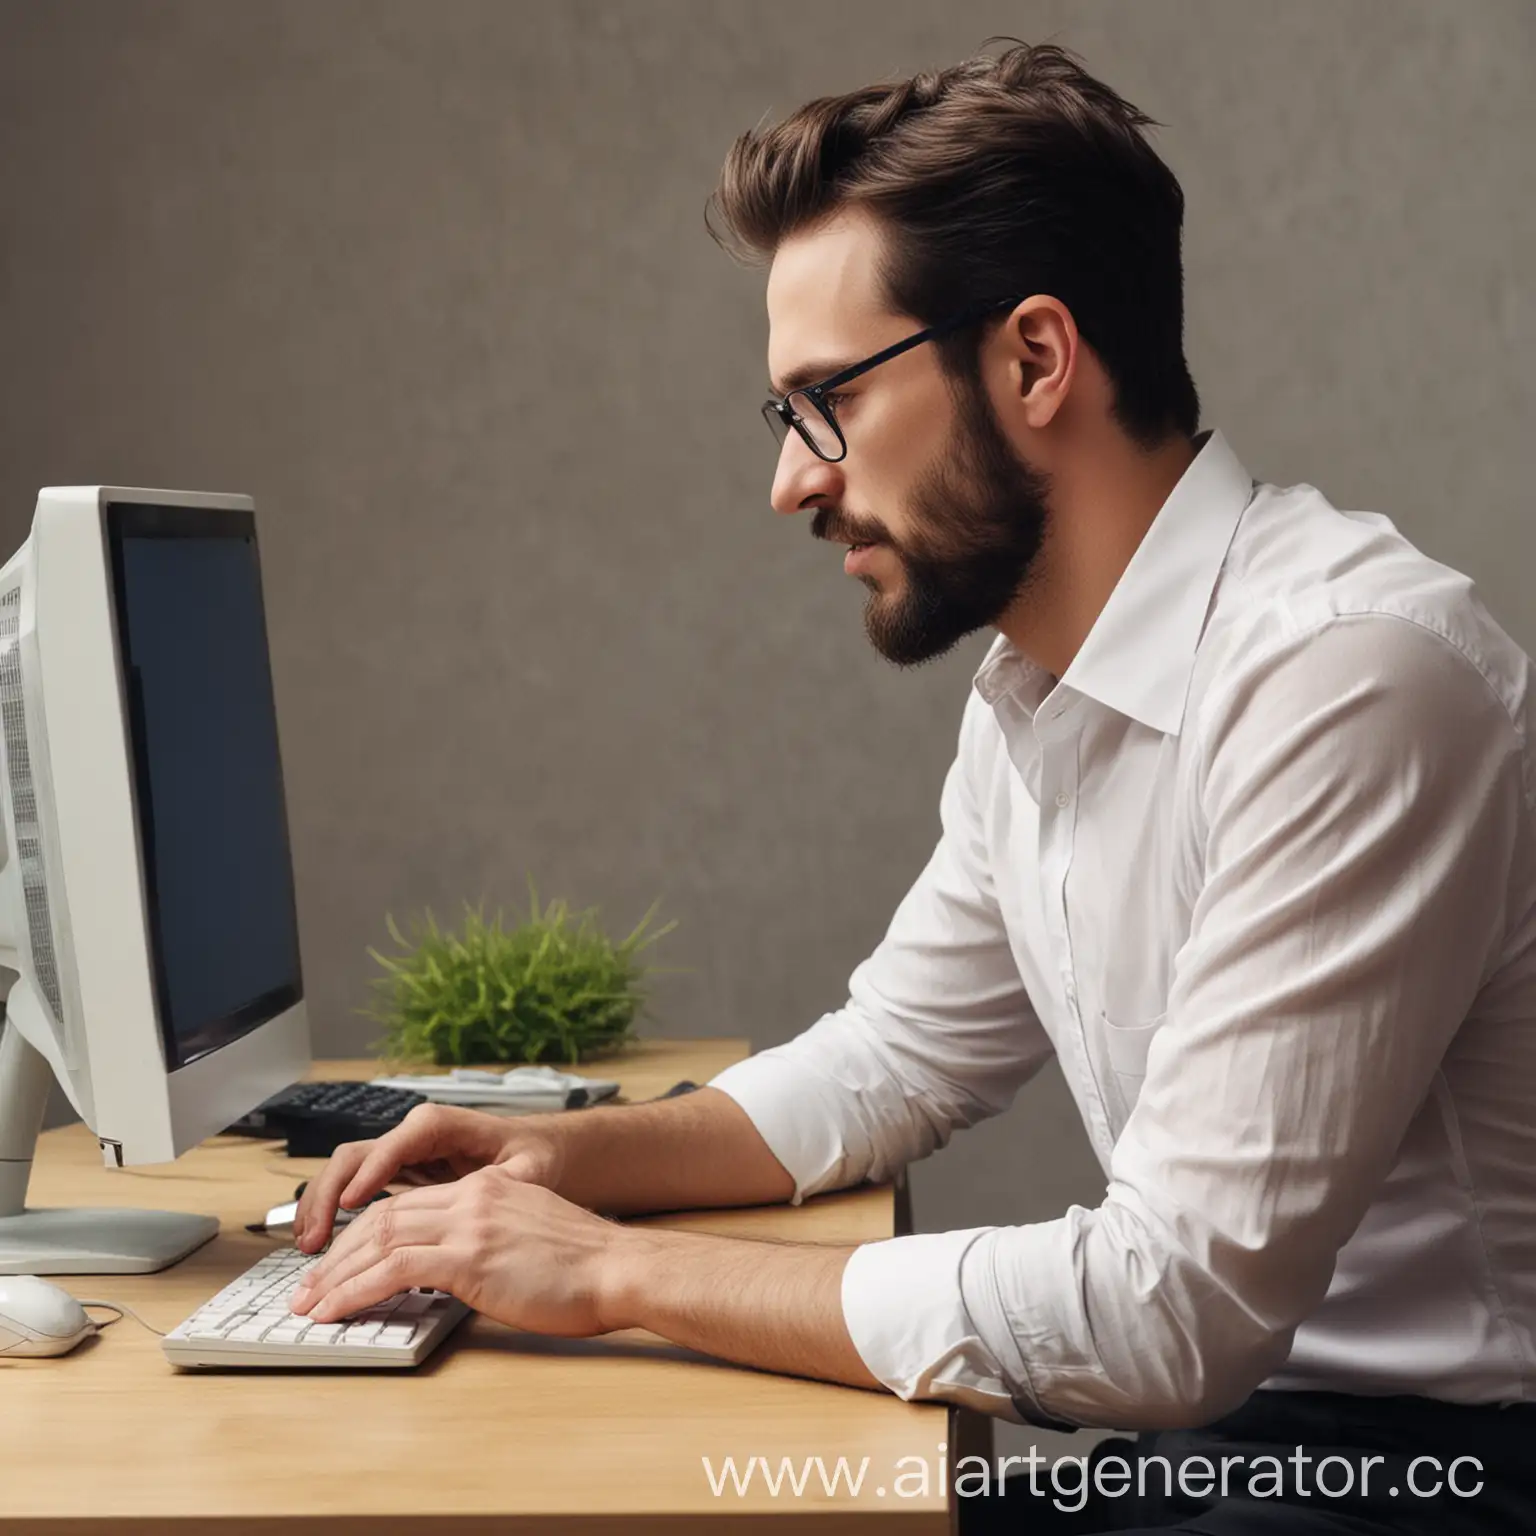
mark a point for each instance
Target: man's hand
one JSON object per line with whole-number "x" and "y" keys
{"x": 523, "y": 1255}
{"x": 434, "y": 1144}
{"x": 697, "y": 1150}
{"x": 512, "y": 1250}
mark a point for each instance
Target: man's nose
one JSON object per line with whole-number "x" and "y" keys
{"x": 803, "y": 480}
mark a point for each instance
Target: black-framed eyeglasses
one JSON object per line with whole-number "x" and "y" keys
{"x": 809, "y": 410}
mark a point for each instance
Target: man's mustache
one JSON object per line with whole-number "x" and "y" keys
{"x": 832, "y": 524}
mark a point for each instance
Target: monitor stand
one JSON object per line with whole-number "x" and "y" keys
{"x": 70, "y": 1240}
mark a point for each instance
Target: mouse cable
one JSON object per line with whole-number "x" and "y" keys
{"x": 122, "y": 1311}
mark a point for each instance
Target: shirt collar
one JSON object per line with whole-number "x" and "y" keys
{"x": 1138, "y": 656}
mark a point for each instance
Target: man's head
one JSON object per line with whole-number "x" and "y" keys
{"x": 1015, "y": 177}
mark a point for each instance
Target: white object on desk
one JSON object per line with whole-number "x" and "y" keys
{"x": 38, "y": 1318}
{"x": 511, "y": 1091}
{"x": 280, "y": 1219}
{"x": 250, "y": 1323}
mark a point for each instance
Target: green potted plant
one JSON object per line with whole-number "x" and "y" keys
{"x": 552, "y": 989}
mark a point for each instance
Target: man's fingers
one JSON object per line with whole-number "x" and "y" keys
{"x": 414, "y": 1217}
{"x": 317, "y": 1205}
{"x": 358, "y": 1170}
{"x": 382, "y": 1277}
{"x": 429, "y": 1132}
{"x": 377, "y": 1169}
{"x": 348, "y": 1240}
{"x": 368, "y": 1245}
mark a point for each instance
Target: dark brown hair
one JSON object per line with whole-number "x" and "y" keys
{"x": 1007, "y": 174}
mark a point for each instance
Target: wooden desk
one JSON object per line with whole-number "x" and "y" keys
{"x": 498, "y": 1431}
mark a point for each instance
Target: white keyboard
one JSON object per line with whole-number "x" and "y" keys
{"x": 249, "y": 1323}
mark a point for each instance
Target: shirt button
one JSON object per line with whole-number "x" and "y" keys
{"x": 1063, "y": 798}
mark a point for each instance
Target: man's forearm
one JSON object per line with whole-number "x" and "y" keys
{"x": 694, "y": 1151}
{"x": 775, "y": 1306}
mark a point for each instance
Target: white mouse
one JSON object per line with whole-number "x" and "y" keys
{"x": 38, "y": 1318}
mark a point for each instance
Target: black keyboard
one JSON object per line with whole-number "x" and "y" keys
{"x": 317, "y": 1117}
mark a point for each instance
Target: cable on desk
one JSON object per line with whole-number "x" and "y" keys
{"x": 122, "y": 1310}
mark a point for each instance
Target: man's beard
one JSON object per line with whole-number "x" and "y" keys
{"x": 978, "y": 518}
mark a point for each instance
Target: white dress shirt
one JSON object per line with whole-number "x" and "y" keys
{"x": 1260, "y": 871}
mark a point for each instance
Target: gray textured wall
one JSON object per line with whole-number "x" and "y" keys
{"x": 430, "y": 281}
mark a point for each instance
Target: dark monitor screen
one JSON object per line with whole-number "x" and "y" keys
{"x": 208, "y": 781}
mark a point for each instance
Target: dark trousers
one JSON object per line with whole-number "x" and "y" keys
{"x": 1293, "y": 1464}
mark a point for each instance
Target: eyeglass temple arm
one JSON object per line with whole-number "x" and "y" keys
{"x": 943, "y": 328}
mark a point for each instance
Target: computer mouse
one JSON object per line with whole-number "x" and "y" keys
{"x": 38, "y": 1318}
{"x": 279, "y": 1220}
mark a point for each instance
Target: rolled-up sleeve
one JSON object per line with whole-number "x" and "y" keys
{"x": 1362, "y": 797}
{"x": 938, "y": 1031}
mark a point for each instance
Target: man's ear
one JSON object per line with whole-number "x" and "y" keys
{"x": 1041, "y": 344}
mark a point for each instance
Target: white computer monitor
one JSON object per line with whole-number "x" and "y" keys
{"x": 147, "y": 921}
